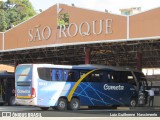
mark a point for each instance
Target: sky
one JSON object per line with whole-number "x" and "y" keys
{"x": 112, "y": 6}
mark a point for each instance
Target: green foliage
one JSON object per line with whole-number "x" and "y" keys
{"x": 63, "y": 19}
{"x": 13, "y": 12}
{"x": 3, "y": 23}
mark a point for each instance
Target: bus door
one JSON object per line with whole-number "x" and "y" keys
{"x": 24, "y": 88}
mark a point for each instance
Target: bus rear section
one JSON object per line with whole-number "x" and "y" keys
{"x": 25, "y": 92}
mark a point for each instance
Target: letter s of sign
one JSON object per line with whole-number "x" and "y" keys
{"x": 31, "y": 35}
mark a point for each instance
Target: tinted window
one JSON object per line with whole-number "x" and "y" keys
{"x": 65, "y": 75}
{"x": 113, "y": 76}
{"x": 71, "y": 75}
{"x": 140, "y": 76}
{"x": 126, "y": 77}
{"x": 82, "y": 72}
{"x": 44, "y": 73}
{"x": 57, "y": 74}
{"x": 96, "y": 76}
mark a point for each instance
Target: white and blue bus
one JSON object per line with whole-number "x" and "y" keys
{"x": 69, "y": 87}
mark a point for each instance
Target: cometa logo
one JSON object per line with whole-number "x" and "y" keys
{"x": 107, "y": 87}
{"x": 23, "y": 91}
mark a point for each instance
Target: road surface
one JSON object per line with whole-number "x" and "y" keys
{"x": 25, "y": 111}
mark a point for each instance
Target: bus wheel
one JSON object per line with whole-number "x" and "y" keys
{"x": 12, "y": 101}
{"x": 74, "y": 104}
{"x": 133, "y": 102}
{"x": 44, "y": 108}
{"x": 62, "y": 104}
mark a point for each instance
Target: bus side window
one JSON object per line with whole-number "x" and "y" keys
{"x": 73, "y": 75}
{"x": 96, "y": 76}
{"x": 65, "y": 75}
{"x": 86, "y": 79}
{"x": 44, "y": 74}
{"x": 91, "y": 78}
{"x": 57, "y": 74}
{"x": 122, "y": 77}
{"x": 107, "y": 77}
{"x": 76, "y": 77}
{"x": 113, "y": 76}
{"x": 129, "y": 78}
{"x": 53, "y": 75}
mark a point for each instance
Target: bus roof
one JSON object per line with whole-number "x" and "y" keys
{"x": 5, "y": 74}
{"x": 95, "y": 66}
{"x": 86, "y": 66}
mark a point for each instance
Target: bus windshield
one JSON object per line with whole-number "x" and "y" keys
{"x": 141, "y": 79}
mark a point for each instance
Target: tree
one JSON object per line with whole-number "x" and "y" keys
{"x": 3, "y": 23}
{"x": 63, "y": 19}
{"x": 15, "y": 12}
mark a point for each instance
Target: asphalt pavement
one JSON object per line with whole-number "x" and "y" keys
{"x": 25, "y": 111}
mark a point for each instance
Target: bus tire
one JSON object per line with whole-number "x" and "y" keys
{"x": 12, "y": 101}
{"x": 133, "y": 102}
{"x": 74, "y": 104}
{"x": 62, "y": 104}
{"x": 44, "y": 108}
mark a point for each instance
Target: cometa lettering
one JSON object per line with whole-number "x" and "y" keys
{"x": 109, "y": 87}
{"x": 23, "y": 91}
